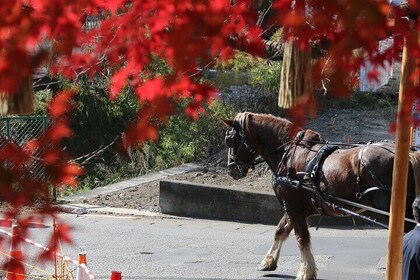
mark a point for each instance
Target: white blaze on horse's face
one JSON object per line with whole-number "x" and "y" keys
{"x": 240, "y": 156}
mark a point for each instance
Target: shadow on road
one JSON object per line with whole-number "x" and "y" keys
{"x": 281, "y": 276}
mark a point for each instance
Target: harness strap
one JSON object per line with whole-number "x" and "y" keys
{"x": 359, "y": 160}
{"x": 298, "y": 138}
{"x": 379, "y": 185}
{"x": 313, "y": 166}
{"x": 313, "y": 169}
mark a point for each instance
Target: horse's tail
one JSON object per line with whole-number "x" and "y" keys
{"x": 415, "y": 163}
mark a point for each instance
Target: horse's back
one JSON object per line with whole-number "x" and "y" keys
{"x": 347, "y": 171}
{"x": 368, "y": 169}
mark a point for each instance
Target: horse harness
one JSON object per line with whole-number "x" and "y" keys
{"x": 312, "y": 173}
{"x": 313, "y": 168}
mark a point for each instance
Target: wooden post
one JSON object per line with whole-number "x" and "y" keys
{"x": 296, "y": 69}
{"x": 20, "y": 102}
{"x": 400, "y": 173}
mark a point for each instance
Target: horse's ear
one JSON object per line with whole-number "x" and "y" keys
{"x": 228, "y": 123}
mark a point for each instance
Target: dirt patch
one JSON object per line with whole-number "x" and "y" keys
{"x": 336, "y": 125}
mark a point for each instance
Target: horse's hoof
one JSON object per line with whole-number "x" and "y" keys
{"x": 264, "y": 266}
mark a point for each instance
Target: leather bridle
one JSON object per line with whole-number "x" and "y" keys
{"x": 233, "y": 159}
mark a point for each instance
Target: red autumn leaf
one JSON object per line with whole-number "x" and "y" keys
{"x": 282, "y": 5}
{"x": 61, "y": 234}
{"x": 60, "y": 104}
{"x": 151, "y": 89}
{"x": 219, "y": 5}
{"x": 13, "y": 154}
{"x": 142, "y": 131}
{"x": 65, "y": 174}
{"x": 113, "y": 5}
{"x": 294, "y": 19}
{"x": 72, "y": 169}
{"x": 182, "y": 87}
{"x": 32, "y": 145}
{"x": 59, "y": 131}
{"x": 118, "y": 81}
{"x": 51, "y": 157}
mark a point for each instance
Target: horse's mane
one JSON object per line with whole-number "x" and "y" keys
{"x": 313, "y": 136}
{"x": 281, "y": 125}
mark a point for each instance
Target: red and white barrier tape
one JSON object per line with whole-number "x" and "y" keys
{"x": 57, "y": 253}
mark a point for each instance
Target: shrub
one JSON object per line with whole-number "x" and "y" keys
{"x": 184, "y": 140}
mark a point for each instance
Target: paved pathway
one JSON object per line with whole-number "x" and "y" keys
{"x": 133, "y": 182}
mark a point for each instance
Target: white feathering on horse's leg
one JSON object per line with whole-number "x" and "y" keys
{"x": 269, "y": 263}
{"x": 307, "y": 270}
{"x": 271, "y": 259}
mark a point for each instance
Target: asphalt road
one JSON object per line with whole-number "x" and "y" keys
{"x": 167, "y": 248}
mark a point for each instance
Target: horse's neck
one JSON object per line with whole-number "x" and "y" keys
{"x": 271, "y": 143}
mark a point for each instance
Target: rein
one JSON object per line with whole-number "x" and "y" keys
{"x": 300, "y": 185}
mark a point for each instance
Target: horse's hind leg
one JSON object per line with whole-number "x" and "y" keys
{"x": 283, "y": 230}
{"x": 307, "y": 270}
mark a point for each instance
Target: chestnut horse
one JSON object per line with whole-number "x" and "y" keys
{"x": 361, "y": 174}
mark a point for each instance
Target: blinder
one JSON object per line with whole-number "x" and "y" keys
{"x": 230, "y": 138}
{"x": 235, "y": 140}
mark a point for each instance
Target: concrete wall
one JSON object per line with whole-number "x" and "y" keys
{"x": 187, "y": 199}
{"x": 196, "y": 200}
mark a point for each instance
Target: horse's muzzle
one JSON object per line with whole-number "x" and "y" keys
{"x": 236, "y": 171}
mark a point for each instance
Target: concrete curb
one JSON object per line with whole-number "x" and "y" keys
{"x": 84, "y": 209}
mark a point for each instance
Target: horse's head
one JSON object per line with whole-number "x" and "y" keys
{"x": 241, "y": 156}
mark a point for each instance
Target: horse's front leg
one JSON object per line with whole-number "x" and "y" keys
{"x": 307, "y": 269}
{"x": 283, "y": 230}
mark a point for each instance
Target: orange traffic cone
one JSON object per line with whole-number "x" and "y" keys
{"x": 15, "y": 269}
{"x": 82, "y": 258}
{"x": 81, "y": 273}
{"x": 116, "y": 275}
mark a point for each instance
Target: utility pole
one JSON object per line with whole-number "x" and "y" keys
{"x": 401, "y": 162}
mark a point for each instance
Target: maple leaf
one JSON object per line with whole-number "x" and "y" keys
{"x": 59, "y": 131}
{"x": 118, "y": 81}
{"x": 60, "y": 104}
{"x": 113, "y": 5}
{"x": 294, "y": 19}
{"x": 64, "y": 173}
{"x": 13, "y": 154}
{"x": 61, "y": 234}
{"x": 151, "y": 89}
